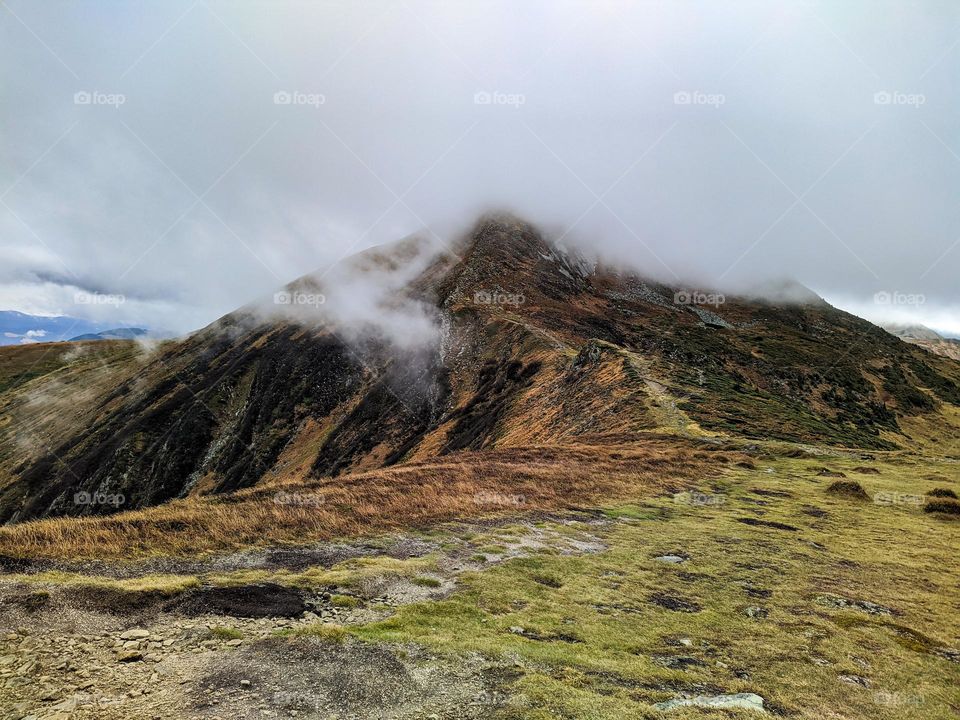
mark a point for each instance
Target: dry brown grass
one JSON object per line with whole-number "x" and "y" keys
{"x": 463, "y": 485}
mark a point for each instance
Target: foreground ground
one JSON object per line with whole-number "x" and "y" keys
{"x": 751, "y": 580}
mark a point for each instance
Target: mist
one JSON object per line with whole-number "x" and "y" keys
{"x": 192, "y": 156}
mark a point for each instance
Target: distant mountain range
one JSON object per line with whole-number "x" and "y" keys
{"x": 926, "y": 338}
{"x": 17, "y": 328}
{"x": 124, "y": 333}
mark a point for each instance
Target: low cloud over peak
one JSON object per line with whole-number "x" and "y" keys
{"x": 191, "y": 157}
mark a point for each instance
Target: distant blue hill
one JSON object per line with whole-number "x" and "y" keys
{"x": 125, "y": 333}
{"x": 17, "y": 328}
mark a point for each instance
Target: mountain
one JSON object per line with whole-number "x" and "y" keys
{"x": 113, "y": 334}
{"x": 505, "y": 341}
{"x": 17, "y": 328}
{"x": 926, "y": 338}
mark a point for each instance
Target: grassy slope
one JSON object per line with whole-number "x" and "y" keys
{"x": 47, "y": 390}
{"x": 895, "y": 556}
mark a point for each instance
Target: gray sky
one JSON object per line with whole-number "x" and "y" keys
{"x": 720, "y": 142}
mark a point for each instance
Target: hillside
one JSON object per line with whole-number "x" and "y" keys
{"x": 533, "y": 346}
{"x": 927, "y": 339}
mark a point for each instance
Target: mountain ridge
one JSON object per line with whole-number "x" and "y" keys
{"x": 529, "y": 345}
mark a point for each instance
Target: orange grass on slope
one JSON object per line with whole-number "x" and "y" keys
{"x": 463, "y": 485}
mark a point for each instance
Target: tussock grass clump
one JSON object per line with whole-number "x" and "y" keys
{"x": 849, "y": 489}
{"x": 426, "y": 582}
{"x": 344, "y": 601}
{"x": 942, "y": 493}
{"x": 225, "y": 633}
{"x": 329, "y": 632}
{"x": 827, "y": 472}
{"x": 947, "y": 506}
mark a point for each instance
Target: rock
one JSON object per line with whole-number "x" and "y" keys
{"x": 855, "y": 680}
{"x": 135, "y": 634}
{"x": 516, "y": 630}
{"x": 671, "y": 558}
{"x": 835, "y": 601}
{"x": 755, "y": 611}
{"x": 234, "y": 643}
{"x": 130, "y": 656}
{"x": 747, "y": 701}
{"x": 131, "y": 645}
{"x": 244, "y": 683}
{"x": 66, "y": 706}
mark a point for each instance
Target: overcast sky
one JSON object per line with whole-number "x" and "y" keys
{"x": 189, "y": 156}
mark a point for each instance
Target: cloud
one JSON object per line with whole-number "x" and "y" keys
{"x": 728, "y": 144}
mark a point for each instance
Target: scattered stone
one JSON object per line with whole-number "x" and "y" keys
{"x": 135, "y": 634}
{"x": 855, "y": 680}
{"x": 842, "y": 603}
{"x": 747, "y": 701}
{"x": 130, "y": 656}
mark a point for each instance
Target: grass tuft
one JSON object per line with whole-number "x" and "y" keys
{"x": 947, "y": 506}
{"x": 849, "y": 489}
